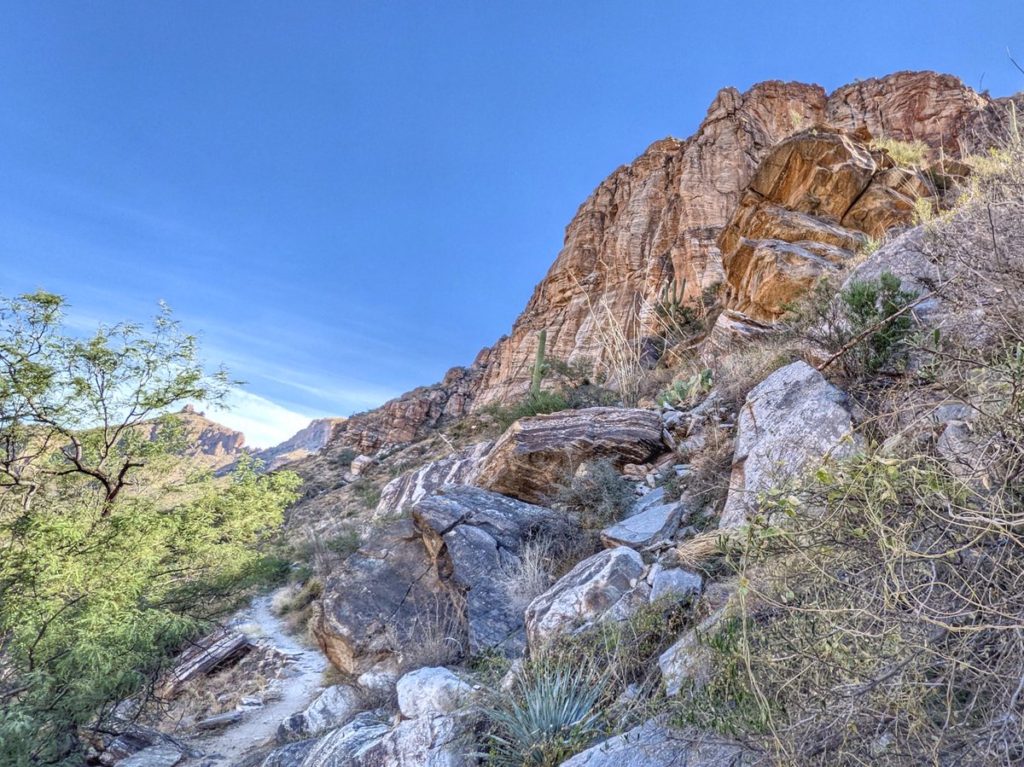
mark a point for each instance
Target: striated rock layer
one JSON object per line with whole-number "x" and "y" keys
{"x": 658, "y": 221}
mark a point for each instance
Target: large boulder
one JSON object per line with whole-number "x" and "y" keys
{"x": 385, "y": 599}
{"x": 607, "y": 584}
{"x": 655, "y": 744}
{"x": 815, "y": 199}
{"x": 431, "y": 691}
{"x": 791, "y": 422}
{"x": 334, "y": 707}
{"x": 536, "y": 454}
{"x": 348, "y": 746}
{"x": 474, "y": 536}
{"x": 432, "y": 584}
{"x": 160, "y": 755}
{"x": 427, "y": 741}
{"x": 404, "y": 491}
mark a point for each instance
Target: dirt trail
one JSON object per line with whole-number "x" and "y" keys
{"x": 302, "y": 683}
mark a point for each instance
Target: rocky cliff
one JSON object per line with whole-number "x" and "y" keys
{"x": 214, "y": 444}
{"x": 659, "y": 221}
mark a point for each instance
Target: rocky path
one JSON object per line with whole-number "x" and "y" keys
{"x": 302, "y": 682}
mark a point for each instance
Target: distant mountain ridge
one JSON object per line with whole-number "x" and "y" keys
{"x": 219, "y": 446}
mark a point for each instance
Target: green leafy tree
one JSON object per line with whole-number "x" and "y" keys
{"x": 112, "y": 550}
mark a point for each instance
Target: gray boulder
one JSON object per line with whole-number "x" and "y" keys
{"x": 791, "y": 422}
{"x": 160, "y": 755}
{"x": 334, "y": 707}
{"x": 290, "y": 755}
{"x": 475, "y": 535}
{"x": 431, "y": 691}
{"x": 604, "y": 585}
{"x": 382, "y": 601}
{"x": 432, "y": 585}
{"x": 674, "y": 583}
{"x": 348, "y": 746}
{"x": 647, "y": 523}
{"x": 654, "y": 744}
{"x": 428, "y": 741}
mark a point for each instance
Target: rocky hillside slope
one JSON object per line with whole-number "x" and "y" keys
{"x": 807, "y": 549}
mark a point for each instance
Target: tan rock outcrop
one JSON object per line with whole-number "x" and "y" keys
{"x": 536, "y": 454}
{"x": 813, "y": 202}
{"x": 650, "y": 222}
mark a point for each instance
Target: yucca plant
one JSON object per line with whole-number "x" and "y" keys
{"x": 551, "y": 714}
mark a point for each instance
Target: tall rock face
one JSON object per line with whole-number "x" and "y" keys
{"x": 914, "y": 106}
{"x": 659, "y": 221}
{"x": 650, "y": 222}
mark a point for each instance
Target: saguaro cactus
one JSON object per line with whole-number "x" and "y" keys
{"x": 538, "y": 363}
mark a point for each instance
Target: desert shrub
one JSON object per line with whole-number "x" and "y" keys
{"x": 606, "y": 678}
{"x": 598, "y": 494}
{"x": 873, "y": 306}
{"x": 866, "y": 326}
{"x": 909, "y": 154}
{"x": 878, "y": 621}
{"x": 366, "y": 492}
{"x": 687, "y": 392}
{"x": 344, "y": 457}
{"x": 551, "y": 714}
{"x": 538, "y": 403}
{"x": 344, "y": 543}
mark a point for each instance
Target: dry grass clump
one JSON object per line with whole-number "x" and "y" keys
{"x": 738, "y": 370}
{"x": 440, "y": 632}
{"x": 596, "y": 494}
{"x": 294, "y": 603}
{"x": 909, "y": 154}
{"x": 532, "y": 574}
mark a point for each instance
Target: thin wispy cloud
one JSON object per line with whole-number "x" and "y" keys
{"x": 263, "y": 422}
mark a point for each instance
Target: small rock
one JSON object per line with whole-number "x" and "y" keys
{"x": 334, "y": 707}
{"x": 641, "y": 530}
{"x": 221, "y": 720}
{"x": 378, "y": 680}
{"x": 676, "y": 584}
{"x": 429, "y": 691}
{"x": 360, "y": 464}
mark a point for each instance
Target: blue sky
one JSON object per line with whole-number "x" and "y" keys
{"x": 347, "y": 198}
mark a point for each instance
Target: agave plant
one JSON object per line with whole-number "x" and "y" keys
{"x": 551, "y": 715}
